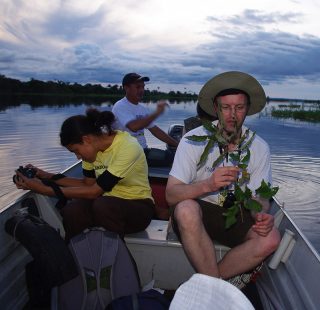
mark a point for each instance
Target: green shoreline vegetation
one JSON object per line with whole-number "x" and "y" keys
{"x": 290, "y": 106}
{"x": 13, "y": 87}
{"x": 309, "y": 116}
{"x": 34, "y": 92}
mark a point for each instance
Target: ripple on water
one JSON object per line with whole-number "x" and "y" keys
{"x": 298, "y": 179}
{"x": 32, "y": 135}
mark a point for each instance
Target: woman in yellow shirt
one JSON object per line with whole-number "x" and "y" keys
{"x": 114, "y": 191}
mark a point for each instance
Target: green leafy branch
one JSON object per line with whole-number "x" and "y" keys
{"x": 215, "y": 136}
{"x": 240, "y": 157}
{"x": 244, "y": 199}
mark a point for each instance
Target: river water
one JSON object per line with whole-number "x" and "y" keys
{"x": 31, "y": 135}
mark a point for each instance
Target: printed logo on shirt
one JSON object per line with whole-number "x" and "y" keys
{"x": 208, "y": 169}
{"x": 101, "y": 167}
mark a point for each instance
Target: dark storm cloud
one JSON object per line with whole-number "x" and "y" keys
{"x": 258, "y": 18}
{"x": 241, "y": 45}
{"x": 70, "y": 26}
{"x": 271, "y": 56}
{"x": 274, "y": 56}
{"x": 238, "y": 42}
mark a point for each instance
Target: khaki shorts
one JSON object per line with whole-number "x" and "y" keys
{"x": 214, "y": 223}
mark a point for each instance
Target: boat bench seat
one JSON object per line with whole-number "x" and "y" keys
{"x": 160, "y": 233}
{"x": 154, "y": 247}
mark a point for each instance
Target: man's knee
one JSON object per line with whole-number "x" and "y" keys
{"x": 187, "y": 212}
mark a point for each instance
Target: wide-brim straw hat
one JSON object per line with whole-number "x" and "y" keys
{"x": 234, "y": 80}
{"x": 203, "y": 292}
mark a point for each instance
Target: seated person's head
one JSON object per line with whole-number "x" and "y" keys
{"x": 133, "y": 84}
{"x": 80, "y": 134}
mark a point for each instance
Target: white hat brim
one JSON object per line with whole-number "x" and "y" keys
{"x": 203, "y": 292}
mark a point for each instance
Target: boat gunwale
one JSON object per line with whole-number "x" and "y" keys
{"x": 152, "y": 174}
{"x": 301, "y": 234}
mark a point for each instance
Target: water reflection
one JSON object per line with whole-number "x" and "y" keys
{"x": 31, "y": 135}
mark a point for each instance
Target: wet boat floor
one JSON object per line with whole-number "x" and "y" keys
{"x": 252, "y": 294}
{"x": 250, "y": 291}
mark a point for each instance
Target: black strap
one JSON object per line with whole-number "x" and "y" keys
{"x": 62, "y": 200}
{"x": 57, "y": 177}
{"x": 107, "y": 181}
{"x": 89, "y": 173}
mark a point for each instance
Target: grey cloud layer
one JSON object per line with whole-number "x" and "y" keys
{"x": 237, "y": 43}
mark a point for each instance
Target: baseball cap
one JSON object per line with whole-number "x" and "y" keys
{"x": 132, "y": 77}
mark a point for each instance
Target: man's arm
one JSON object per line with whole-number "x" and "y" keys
{"x": 144, "y": 122}
{"x": 177, "y": 191}
{"x": 161, "y": 135}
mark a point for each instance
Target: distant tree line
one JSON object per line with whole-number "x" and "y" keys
{"x": 13, "y": 91}
{"x": 292, "y": 100}
{"x": 9, "y": 86}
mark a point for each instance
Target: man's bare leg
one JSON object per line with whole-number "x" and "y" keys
{"x": 197, "y": 244}
{"x": 249, "y": 254}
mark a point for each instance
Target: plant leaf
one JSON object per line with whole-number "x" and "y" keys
{"x": 266, "y": 191}
{"x": 243, "y": 166}
{"x": 246, "y": 145}
{"x": 230, "y": 220}
{"x": 247, "y": 193}
{"x": 240, "y": 195}
{"x": 253, "y": 205}
{"x": 219, "y": 159}
{"x": 220, "y": 138}
{"x": 246, "y": 158}
{"x": 231, "y": 216}
{"x": 245, "y": 136}
{"x": 274, "y": 190}
{"x": 209, "y": 126}
{"x": 206, "y": 151}
{"x": 235, "y": 157}
{"x": 197, "y": 138}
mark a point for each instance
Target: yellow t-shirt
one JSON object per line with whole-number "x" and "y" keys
{"x": 125, "y": 158}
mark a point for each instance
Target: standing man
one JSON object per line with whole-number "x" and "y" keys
{"x": 197, "y": 184}
{"x": 133, "y": 117}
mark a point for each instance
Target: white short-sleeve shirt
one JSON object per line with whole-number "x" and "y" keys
{"x": 125, "y": 111}
{"x": 188, "y": 154}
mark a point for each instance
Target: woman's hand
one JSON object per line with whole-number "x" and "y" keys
{"x": 22, "y": 182}
{"x": 41, "y": 174}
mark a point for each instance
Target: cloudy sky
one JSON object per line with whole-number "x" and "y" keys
{"x": 180, "y": 44}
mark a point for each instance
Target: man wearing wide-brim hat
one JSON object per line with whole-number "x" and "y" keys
{"x": 212, "y": 163}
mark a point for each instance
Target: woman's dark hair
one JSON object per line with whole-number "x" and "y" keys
{"x": 93, "y": 123}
